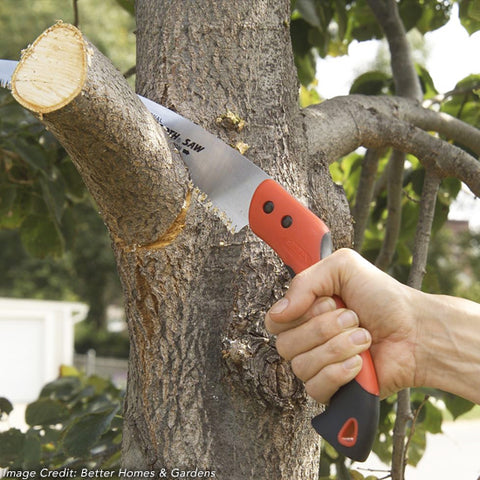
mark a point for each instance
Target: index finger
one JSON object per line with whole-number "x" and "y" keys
{"x": 319, "y": 306}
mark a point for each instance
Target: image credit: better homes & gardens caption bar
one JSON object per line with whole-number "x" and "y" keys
{"x": 100, "y": 473}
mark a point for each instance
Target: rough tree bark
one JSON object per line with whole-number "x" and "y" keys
{"x": 206, "y": 388}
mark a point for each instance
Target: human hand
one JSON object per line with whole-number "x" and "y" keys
{"x": 323, "y": 342}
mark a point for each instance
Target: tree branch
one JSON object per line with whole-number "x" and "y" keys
{"x": 407, "y": 85}
{"x": 379, "y": 122}
{"x": 417, "y": 271}
{"x": 404, "y": 74}
{"x": 120, "y": 151}
{"x": 76, "y": 16}
{"x": 442, "y": 97}
{"x": 424, "y": 229}
{"x": 403, "y": 416}
{"x": 364, "y": 195}
{"x": 394, "y": 207}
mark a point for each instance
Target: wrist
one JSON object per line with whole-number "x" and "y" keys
{"x": 446, "y": 348}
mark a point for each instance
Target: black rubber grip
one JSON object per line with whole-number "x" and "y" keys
{"x": 350, "y": 423}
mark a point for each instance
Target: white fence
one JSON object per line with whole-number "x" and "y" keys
{"x": 36, "y": 337}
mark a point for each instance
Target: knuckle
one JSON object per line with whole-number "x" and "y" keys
{"x": 298, "y": 367}
{"x": 312, "y": 390}
{"x": 299, "y": 282}
{"x": 319, "y": 330}
{"x": 282, "y": 346}
{"x": 346, "y": 254}
{"x": 319, "y": 390}
{"x": 334, "y": 348}
{"x": 332, "y": 375}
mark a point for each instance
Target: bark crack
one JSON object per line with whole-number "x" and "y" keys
{"x": 174, "y": 230}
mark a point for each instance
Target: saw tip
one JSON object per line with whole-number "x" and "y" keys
{"x": 5, "y": 83}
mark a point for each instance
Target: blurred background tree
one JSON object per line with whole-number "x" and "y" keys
{"x": 53, "y": 244}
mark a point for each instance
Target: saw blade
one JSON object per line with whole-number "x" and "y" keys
{"x": 224, "y": 174}
{"x": 221, "y": 172}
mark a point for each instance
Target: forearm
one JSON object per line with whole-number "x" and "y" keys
{"x": 448, "y": 345}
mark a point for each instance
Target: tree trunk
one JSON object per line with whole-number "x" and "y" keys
{"x": 220, "y": 397}
{"x": 206, "y": 388}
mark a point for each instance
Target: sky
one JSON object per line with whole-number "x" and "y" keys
{"x": 452, "y": 55}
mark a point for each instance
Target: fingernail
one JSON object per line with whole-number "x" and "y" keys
{"x": 280, "y": 306}
{"x": 352, "y": 363}
{"x": 347, "y": 319}
{"x": 360, "y": 337}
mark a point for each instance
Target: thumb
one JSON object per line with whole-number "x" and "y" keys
{"x": 320, "y": 280}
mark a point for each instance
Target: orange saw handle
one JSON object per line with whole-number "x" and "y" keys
{"x": 301, "y": 239}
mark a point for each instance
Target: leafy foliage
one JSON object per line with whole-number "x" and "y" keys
{"x": 463, "y": 101}
{"x": 53, "y": 243}
{"x": 37, "y": 183}
{"x": 44, "y": 207}
{"x": 327, "y": 27}
{"x": 105, "y": 343}
{"x": 321, "y": 28}
{"x": 109, "y": 24}
{"x": 470, "y": 15}
{"x": 75, "y": 422}
{"x": 447, "y": 257}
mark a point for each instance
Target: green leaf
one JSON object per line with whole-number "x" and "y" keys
{"x": 11, "y": 447}
{"x": 68, "y": 229}
{"x": 431, "y": 418}
{"x": 54, "y": 196}
{"x": 85, "y": 431}
{"x": 299, "y": 34}
{"x": 32, "y": 450}
{"x": 5, "y": 407}
{"x": 468, "y": 13}
{"x": 426, "y": 82}
{"x": 19, "y": 209}
{"x": 46, "y": 412}
{"x": 371, "y": 83}
{"x": 363, "y": 24}
{"x": 75, "y": 188}
{"x": 32, "y": 154}
{"x": 64, "y": 388}
{"x": 410, "y": 12}
{"x": 308, "y": 11}
{"x": 128, "y": 5}
{"x": 342, "y": 18}
{"x": 305, "y": 68}
{"x": 409, "y": 220}
{"x": 69, "y": 371}
{"x": 474, "y": 10}
{"x": 417, "y": 447}
{"x": 435, "y": 14}
{"x": 356, "y": 475}
{"x": 8, "y": 194}
{"x": 41, "y": 237}
{"x": 50, "y": 435}
{"x": 456, "y": 405}
{"x": 308, "y": 96}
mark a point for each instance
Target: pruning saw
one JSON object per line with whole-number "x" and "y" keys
{"x": 248, "y": 196}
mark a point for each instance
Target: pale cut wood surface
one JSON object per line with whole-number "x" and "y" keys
{"x": 52, "y": 71}
{"x": 139, "y": 185}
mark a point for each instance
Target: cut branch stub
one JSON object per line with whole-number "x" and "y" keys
{"x": 139, "y": 185}
{"x": 49, "y": 78}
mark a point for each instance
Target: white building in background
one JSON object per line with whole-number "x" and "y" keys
{"x": 36, "y": 338}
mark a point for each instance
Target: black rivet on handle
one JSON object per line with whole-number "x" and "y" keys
{"x": 287, "y": 221}
{"x": 268, "y": 207}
